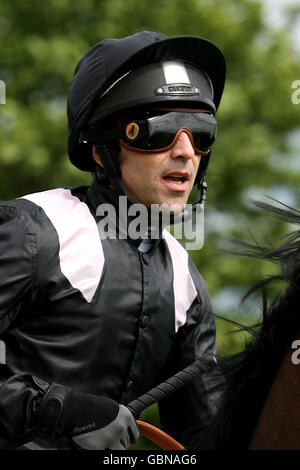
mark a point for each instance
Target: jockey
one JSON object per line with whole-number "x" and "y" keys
{"x": 93, "y": 318}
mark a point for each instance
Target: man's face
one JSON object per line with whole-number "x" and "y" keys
{"x": 165, "y": 177}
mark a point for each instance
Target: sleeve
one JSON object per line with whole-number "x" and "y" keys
{"x": 19, "y": 393}
{"x": 187, "y": 413}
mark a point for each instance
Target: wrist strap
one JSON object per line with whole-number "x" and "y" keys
{"x": 50, "y": 410}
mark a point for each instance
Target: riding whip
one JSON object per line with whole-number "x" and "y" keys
{"x": 177, "y": 381}
{"x": 202, "y": 364}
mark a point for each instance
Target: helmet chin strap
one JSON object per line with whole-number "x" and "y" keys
{"x": 202, "y": 190}
{"x": 111, "y": 168}
{"x": 199, "y": 205}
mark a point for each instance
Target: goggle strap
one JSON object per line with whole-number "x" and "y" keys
{"x": 93, "y": 136}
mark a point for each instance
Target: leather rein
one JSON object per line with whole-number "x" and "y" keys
{"x": 159, "y": 437}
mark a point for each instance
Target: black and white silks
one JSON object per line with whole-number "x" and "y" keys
{"x": 99, "y": 316}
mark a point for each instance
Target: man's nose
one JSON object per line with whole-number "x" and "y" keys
{"x": 183, "y": 146}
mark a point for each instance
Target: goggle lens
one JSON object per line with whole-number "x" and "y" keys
{"x": 160, "y": 132}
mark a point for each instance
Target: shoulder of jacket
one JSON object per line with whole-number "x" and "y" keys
{"x": 15, "y": 209}
{"x": 16, "y": 230}
{"x": 50, "y": 197}
{"x": 180, "y": 255}
{"x": 29, "y": 202}
{"x": 182, "y": 260}
{"x": 73, "y": 230}
{"x": 53, "y": 202}
{"x": 39, "y": 208}
{"x": 175, "y": 246}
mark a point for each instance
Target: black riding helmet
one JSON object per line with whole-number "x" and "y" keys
{"x": 118, "y": 75}
{"x": 159, "y": 84}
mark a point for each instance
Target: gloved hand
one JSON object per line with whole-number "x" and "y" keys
{"x": 92, "y": 422}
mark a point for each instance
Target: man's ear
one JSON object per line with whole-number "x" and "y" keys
{"x": 96, "y": 157}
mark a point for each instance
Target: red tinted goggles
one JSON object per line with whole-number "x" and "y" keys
{"x": 158, "y": 132}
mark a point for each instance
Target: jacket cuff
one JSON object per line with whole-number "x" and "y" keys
{"x": 48, "y": 416}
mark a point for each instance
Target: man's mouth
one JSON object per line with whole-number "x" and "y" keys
{"x": 177, "y": 177}
{"x": 177, "y": 181}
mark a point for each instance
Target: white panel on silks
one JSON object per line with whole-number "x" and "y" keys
{"x": 183, "y": 284}
{"x": 80, "y": 250}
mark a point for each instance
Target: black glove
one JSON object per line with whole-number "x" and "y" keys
{"x": 92, "y": 422}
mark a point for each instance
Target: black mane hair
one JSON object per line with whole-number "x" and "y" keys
{"x": 249, "y": 374}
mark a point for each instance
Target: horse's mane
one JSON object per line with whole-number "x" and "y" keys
{"x": 250, "y": 373}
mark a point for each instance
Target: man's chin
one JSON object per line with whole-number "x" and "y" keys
{"x": 168, "y": 208}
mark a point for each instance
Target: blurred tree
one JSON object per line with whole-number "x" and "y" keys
{"x": 257, "y": 139}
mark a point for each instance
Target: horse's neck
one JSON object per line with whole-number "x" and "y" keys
{"x": 279, "y": 424}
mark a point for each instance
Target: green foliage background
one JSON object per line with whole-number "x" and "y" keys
{"x": 257, "y": 147}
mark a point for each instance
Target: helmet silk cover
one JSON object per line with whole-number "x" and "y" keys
{"x": 110, "y": 78}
